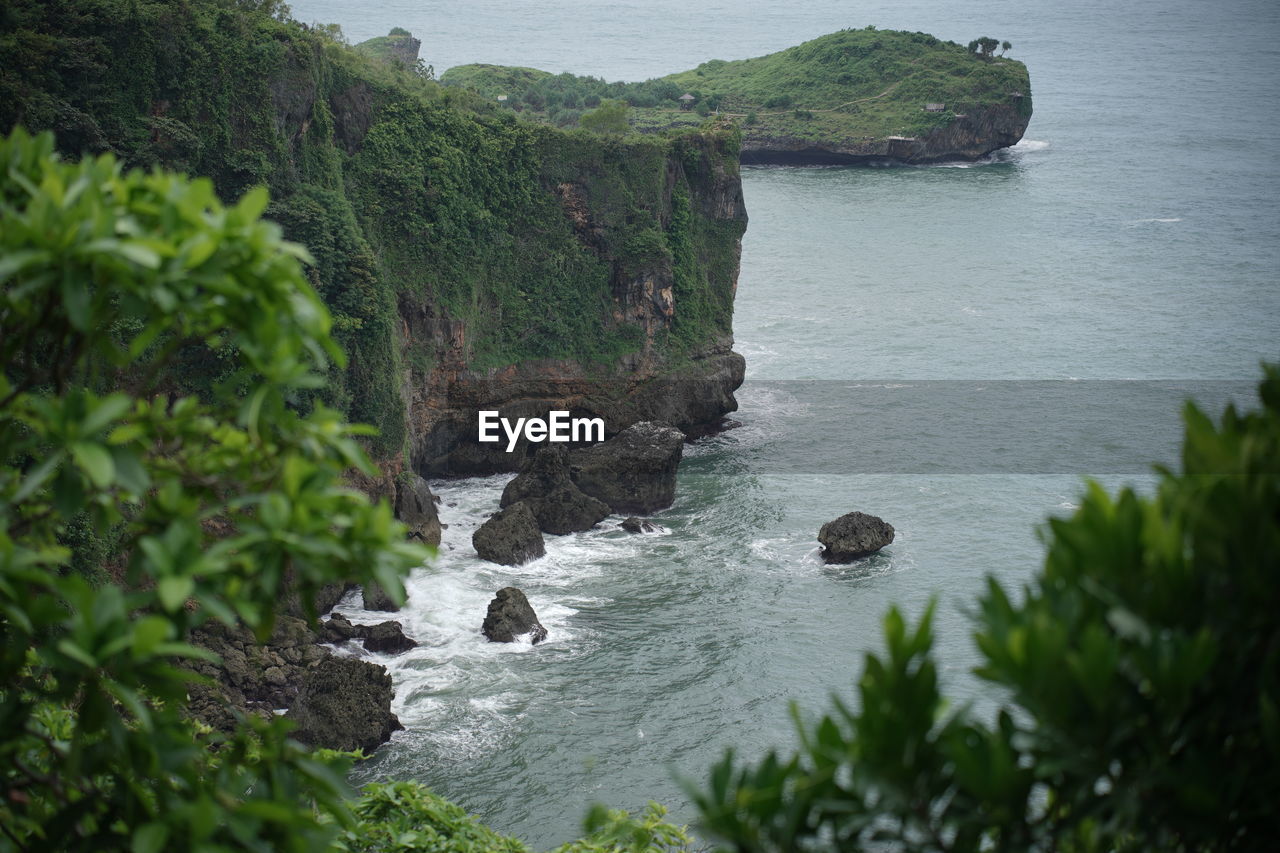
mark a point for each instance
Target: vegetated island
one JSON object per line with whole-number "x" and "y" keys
{"x": 855, "y": 97}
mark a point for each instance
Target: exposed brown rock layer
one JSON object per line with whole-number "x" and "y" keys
{"x": 968, "y": 137}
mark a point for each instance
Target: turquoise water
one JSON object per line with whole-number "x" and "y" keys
{"x": 1134, "y": 234}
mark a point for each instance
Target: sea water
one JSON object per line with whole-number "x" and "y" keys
{"x": 1123, "y": 254}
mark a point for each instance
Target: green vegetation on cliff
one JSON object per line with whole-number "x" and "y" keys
{"x": 438, "y": 223}
{"x": 848, "y": 86}
{"x": 222, "y": 509}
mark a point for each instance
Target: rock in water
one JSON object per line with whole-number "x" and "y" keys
{"x": 510, "y": 615}
{"x": 638, "y": 525}
{"x": 386, "y": 637}
{"x": 338, "y": 629}
{"x": 852, "y": 536}
{"x": 416, "y": 506}
{"x": 635, "y": 471}
{"x": 559, "y": 506}
{"x": 345, "y": 704}
{"x": 510, "y": 537}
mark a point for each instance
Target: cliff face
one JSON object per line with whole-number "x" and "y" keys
{"x": 667, "y": 293}
{"x": 470, "y": 260}
{"x": 967, "y": 137}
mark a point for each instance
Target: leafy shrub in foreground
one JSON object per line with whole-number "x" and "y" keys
{"x": 1142, "y": 669}
{"x": 218, "y": 505}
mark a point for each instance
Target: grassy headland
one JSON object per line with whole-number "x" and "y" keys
{"x": 840, "y": 93}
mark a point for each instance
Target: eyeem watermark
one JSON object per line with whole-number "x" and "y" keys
{"x": 557, "y": 426}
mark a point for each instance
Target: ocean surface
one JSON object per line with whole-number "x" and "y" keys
{"x": 1125, "y": 254}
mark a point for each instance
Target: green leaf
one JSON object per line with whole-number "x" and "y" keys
{"x": 150, "y": 838}
{"x": 95, "y": 461}
{"x": 140, "y": 254}
{"x": 253, "y": 203}
{"x": 174, "y": 590}
{"x": 73, "y": 651}
{"x": 76, "y": 301}
{"x": 37, "y": 478}
{"x": 105, "y": 411}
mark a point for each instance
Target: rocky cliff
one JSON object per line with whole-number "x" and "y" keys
{"x": 967, "y": 136}
{"x": 471, "y": 260}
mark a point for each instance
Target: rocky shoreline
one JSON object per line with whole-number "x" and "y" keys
{"x": 314, "y": 674}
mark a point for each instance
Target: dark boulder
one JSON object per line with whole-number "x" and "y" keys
{"x": 383, "y": 637}
{"x": 852, "y": 536}
{"x": 635, "y": 471}
{"x": 338, "y": 629}
{"x": 510, "y": 537}
{"x": 386, "y": 637}
{"x": 345, "y": 704}
{"x": 559, "y": 506}
{"x": 510, "y": 615}
{"x": 638, "y": 525}
{"x": 415, "y": 505}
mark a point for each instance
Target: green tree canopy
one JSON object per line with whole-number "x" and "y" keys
{"x": 609, "y": 118}
{"x": 1142, "y": 670}
{"x": 222, "y": 505}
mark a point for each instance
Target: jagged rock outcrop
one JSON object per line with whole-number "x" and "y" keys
{"x": 387, "y": 637}
{"x": 853, "y": 536}
{"x": 253, "y": 677}
{"x": 344, "y": 703}
{"x": 559, "y": 506}
{"x": 635, "y": 471}
{"x": 510, "y": 537}
{"x": 415, "y": 505}
{"x": 510, "y": 615}
{"x": 638, "y": 525}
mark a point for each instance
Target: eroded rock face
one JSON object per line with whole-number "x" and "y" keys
{"x": 559, "y": 506}
{"x": 510, "y": 537}
{"x": 638, "y": 525}
{"x": 345, "y": 704}
{"x": 254, "y": 677}
{"x": 853, "y": 536}
{"x": 967, "y": 138}
{"x": 650, "y": 382}
{"x": 510, "y": 616}
{"x": 387, "y": 637}
{"x": 416, "y": 507}
{"x": 633, "y": 472}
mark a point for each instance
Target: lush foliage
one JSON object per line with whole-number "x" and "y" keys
{"x": 1142, "y": 670}
{"x": 405, "y": 817}
{"x": 218, "y": 505}
{"x": 415, "y": 200}
{"x": 851, "y": 85}
{"x": 609, "y": 117}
